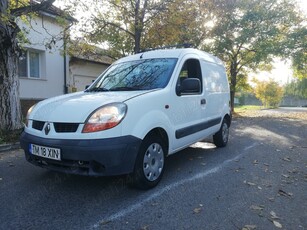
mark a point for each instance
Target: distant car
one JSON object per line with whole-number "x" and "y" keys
{"x": 142, "y": 109}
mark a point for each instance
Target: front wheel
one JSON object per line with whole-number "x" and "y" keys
{"x": 220, "y": 139}
{"x": 149, "y": 165}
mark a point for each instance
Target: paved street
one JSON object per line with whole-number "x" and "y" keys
{"x": 259, "y": 181}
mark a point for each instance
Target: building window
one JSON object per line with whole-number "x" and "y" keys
{"x": 29, "y": 64}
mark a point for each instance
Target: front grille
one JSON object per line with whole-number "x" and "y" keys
{"x": 66, "y": 127}
{"x": 38, "y": 125}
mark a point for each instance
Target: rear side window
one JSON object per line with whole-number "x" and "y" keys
{"x": 215, "y": 79}
{"x": 190, "y": 69}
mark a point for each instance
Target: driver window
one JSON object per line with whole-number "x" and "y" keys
{"x": 190, "y": 69}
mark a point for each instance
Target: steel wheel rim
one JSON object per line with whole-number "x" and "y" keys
{"x": 153, "y": 162}
{"x": 225, "y": 132}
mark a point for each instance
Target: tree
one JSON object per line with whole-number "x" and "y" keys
{"x": 10, "y": 113}
{"x": 298, "y": 51}
{"x": 268, "y": 92}
{"x": 297, "y": 88}
{"x": 182, "y": 22}
{"x": 127, "y": 27}
{"x": 248, "y": 34}
{"x": 121, "y": 23}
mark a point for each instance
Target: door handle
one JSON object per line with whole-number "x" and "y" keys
{"x": 203, "y": 101}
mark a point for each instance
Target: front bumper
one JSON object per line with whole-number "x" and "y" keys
{"x": 98, "y": 157}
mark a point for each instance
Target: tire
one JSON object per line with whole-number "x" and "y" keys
{"x": 150, "y": 163}
{"x": 220, "y": 139}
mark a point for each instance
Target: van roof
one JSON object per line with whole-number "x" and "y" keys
{"x": 171, "y": 53}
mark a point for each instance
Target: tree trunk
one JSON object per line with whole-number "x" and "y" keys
{"x": 137, "y": 39}
{"x": 232, "y": 99}
{"x": 139, "y": 24}
{"x": 10, "y": 109}
{"x": 233, "y": 82}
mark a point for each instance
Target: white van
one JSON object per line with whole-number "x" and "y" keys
{"x": 143, "y": 108}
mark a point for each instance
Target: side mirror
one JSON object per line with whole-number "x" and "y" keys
{"x": 190, "y": 86}
{"x": 87, "y": 86}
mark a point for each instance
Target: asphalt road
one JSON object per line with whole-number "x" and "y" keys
{"x": 259, "y": 181}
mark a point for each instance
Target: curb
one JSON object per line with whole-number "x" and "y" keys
{"x": 8, "y": 147}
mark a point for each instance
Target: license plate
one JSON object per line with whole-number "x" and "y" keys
{"x": 46, "y": 152}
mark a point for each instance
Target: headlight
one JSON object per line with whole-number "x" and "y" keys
{"x": 28, "y": 114}
{"x": 105, "y": 117}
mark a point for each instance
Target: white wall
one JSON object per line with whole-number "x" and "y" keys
{"x": 51, "y": 82}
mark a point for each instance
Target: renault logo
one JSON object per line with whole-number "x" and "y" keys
{"x": 47, "y": 128}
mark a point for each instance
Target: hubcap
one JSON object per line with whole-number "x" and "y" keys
{"x": 225, "y": 132}
{"x": 153, "y": 162}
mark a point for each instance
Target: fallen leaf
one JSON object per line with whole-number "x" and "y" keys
{"x": 266, "y": 164}
{"x": 285, "y": 175}
{"x": 273, "y": 215}
{"x": 249, "y": 183}
{"x": 278, "y": 150}
{"x": 197, "y": 210}
{"x": 259, "y": 187}
{"x": 295, "y": 170}
{"x": 255, "y": 162}
{"x": 257, "y": 208}
{"x": 277, "y": 224}
{"x": 271, "y": 199}
{"x": 146, "y": 227}
{"x": 104, "y": 222}
{"x": 286, "y": 194}
{"x": 287, "y": 159}
{"x": 249, "y": 227}
{"x": 238, "y": 169}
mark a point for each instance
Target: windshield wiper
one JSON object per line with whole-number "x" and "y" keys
{"x": 125, "y": 88}
{"x": 98, "y": 89}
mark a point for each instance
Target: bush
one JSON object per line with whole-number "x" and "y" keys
{"x": 269, "y": 93}
{"x": 10, "y": 136}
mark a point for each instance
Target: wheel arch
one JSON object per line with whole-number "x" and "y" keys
{"x": 160, "y": 132}
{"x": 228, "y": 119}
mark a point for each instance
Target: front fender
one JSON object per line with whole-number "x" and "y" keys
{"x": 146, "y": 123}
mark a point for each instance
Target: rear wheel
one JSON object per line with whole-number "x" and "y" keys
{"x": 149, "y": 165}
{"x": 220, "y": 139}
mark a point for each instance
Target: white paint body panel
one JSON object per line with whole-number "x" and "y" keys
{"x": 147, "y": 110}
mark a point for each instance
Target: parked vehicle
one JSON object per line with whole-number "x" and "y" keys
{"x": 142, "y": 109}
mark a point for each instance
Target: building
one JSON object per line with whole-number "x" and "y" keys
{"x": 85, "y": 67}
{"x": 45, "y": 70}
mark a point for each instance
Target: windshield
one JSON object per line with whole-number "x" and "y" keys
{"x": 136, "y": 75}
